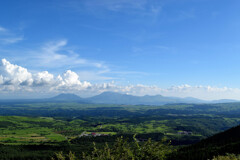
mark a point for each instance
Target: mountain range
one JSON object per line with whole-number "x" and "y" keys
{"x": 118, "y": 98}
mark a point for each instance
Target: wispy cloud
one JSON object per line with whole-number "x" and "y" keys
{"x": 94, "y": 76}
{"x": 183, "y": 15}
{"x": 117, "y": 5}
{"x": 140, "y": 7}
{"x": 9, "y": 37}
{"x": 187, "y": 14}
{"x": 57, "y": 54}
{"x": 9, "y": 40}
{"x": 151, "y": 50}
{"x": 3, "y": 30}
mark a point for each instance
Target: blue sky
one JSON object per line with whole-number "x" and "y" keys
{"x": 169, "y": 47}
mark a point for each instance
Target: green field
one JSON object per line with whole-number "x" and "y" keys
{"x": 58, "y": 127}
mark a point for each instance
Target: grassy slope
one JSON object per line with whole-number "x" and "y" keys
{"x": 20, "y": 130}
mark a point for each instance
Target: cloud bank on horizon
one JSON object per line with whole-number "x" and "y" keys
{"x": 14, "y": 79}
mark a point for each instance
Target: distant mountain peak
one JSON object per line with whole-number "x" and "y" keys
{"x": 67, "y": 94}
{"x": 111, "y": 93}
{"x": 158, "y": 95}
{"x": 66, "y": 97}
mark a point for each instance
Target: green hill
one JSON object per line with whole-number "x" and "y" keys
{"x": 219, "y": 144}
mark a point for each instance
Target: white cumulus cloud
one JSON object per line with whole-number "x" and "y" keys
{"x": 14, "y": 74}
{"x": 1, "y": 79}
{"x": 69, "y": 81}
{"x": 70, "y": 78}
{"x": 14, "y": 77}
{"x": 43, "y": 78}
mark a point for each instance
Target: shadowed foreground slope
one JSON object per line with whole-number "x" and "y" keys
{"x": 219, "y": 144}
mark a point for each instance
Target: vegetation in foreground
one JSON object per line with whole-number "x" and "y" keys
{"x": 122, "y": 149}
{"x": 227, "y": 157}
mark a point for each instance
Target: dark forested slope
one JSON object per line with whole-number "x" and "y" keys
{"x": 219, "y": 144}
